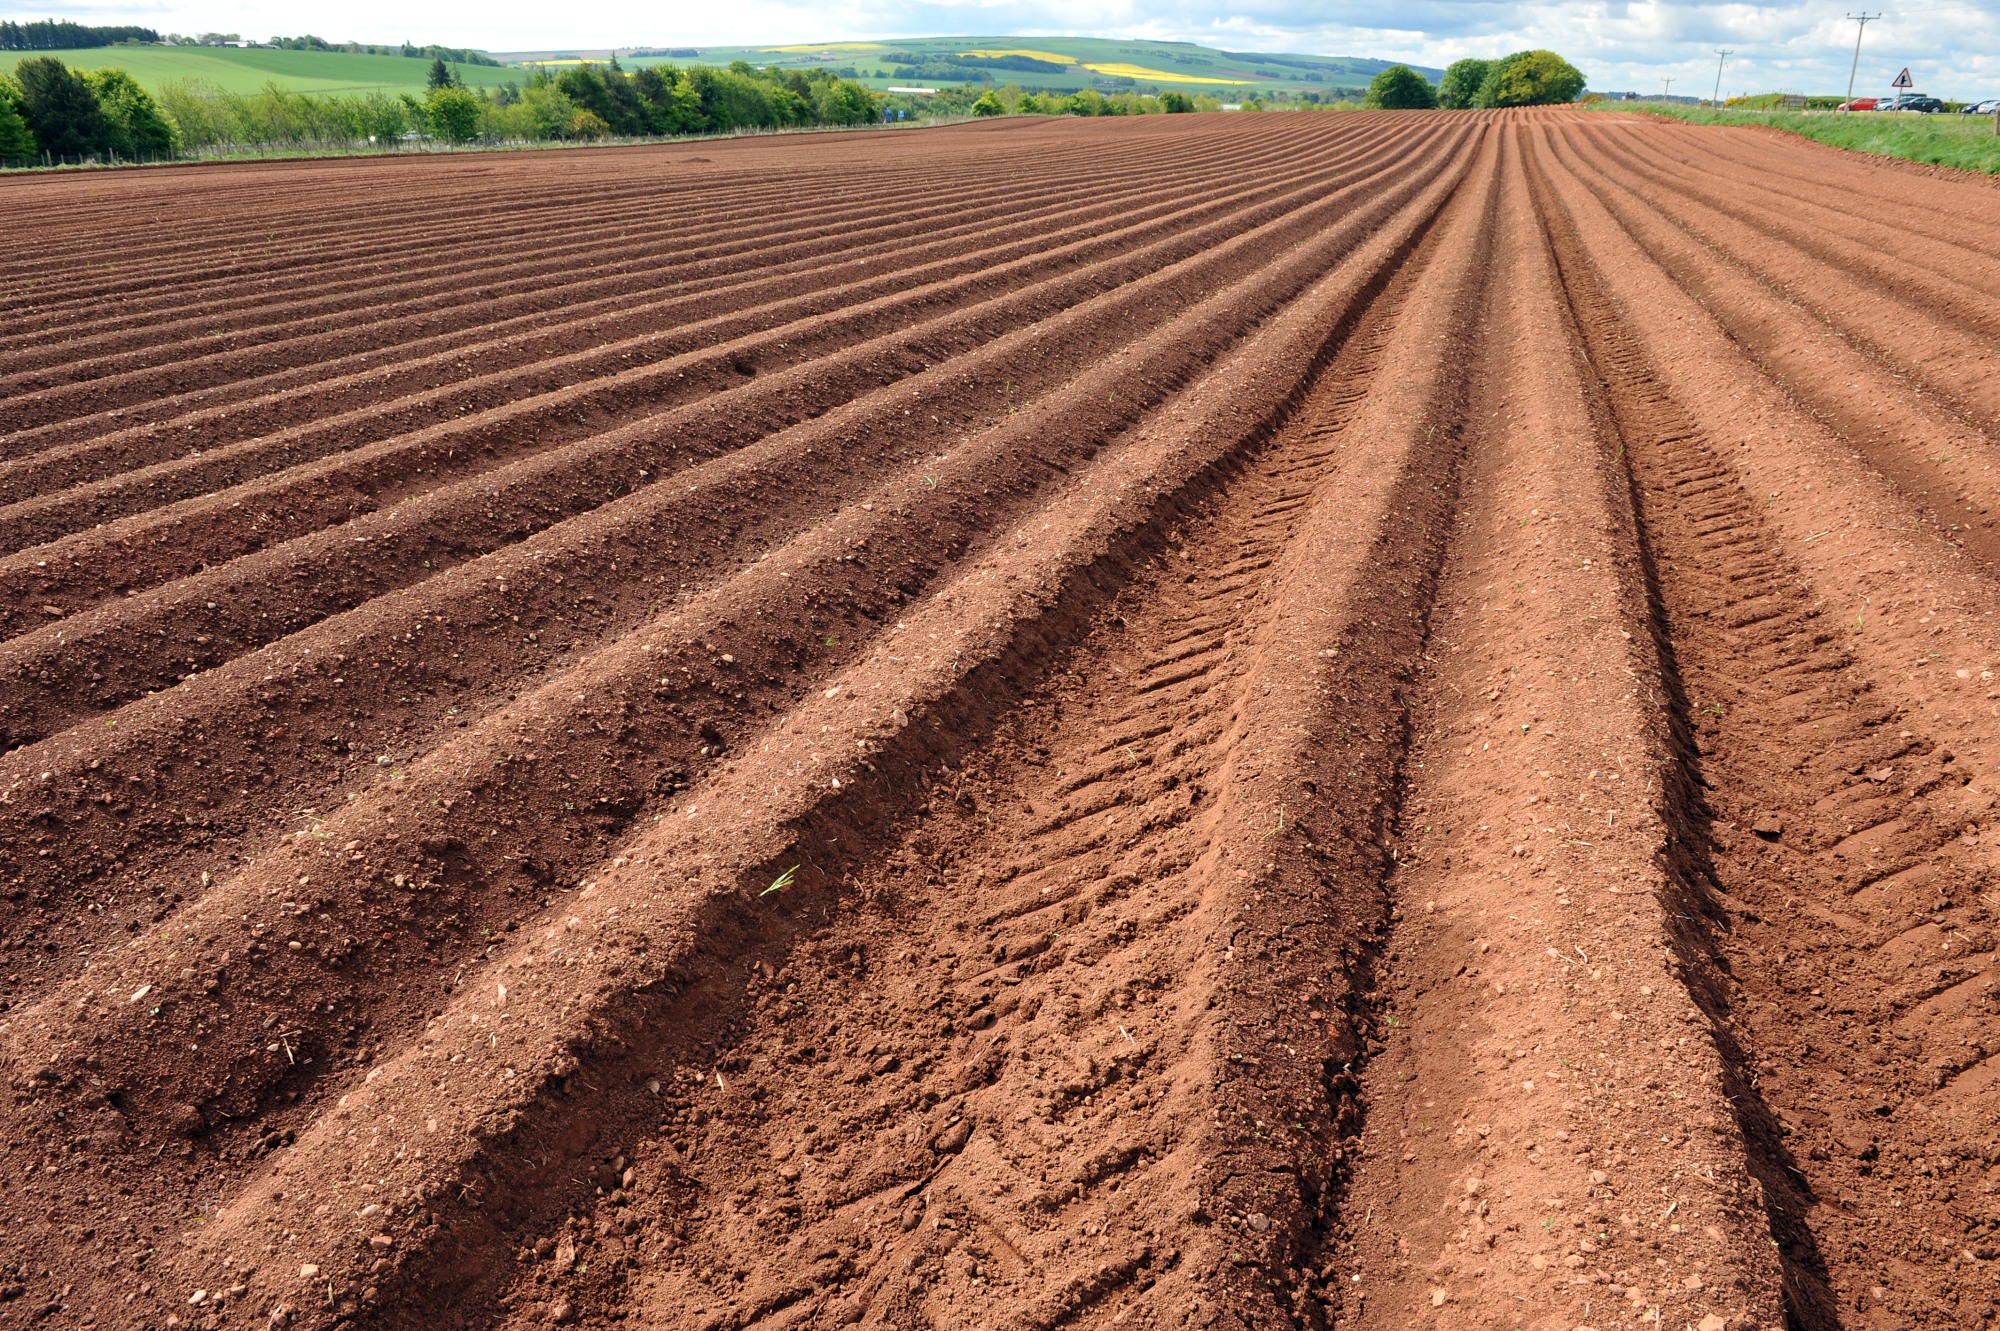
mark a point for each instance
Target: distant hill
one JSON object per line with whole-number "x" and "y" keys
{"x": 240, "y": 69}
{"x": 1033, "y": 62}
{"x": 1065, "y": 63}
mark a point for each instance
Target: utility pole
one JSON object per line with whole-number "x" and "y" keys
{"x": 1863, "y": 20}
{"x": 1715, "y": 102}
{"x": 1666, "y": 85}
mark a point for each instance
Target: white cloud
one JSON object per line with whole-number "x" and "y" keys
{"x": 1953, "y": 49}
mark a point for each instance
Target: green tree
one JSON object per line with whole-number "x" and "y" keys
{"x": 628, "y": 112}
{"x": 1084, "y": 102}
{"x": 1175, "y": 103}
{"x": 134, "y": 126}
{"x": 61, "y": 109}
{"x": 199, "y": 112}
{"x": 380, "y": 117}
{"x": 988, "y": 105}
{"x": 1400, "y": 88}
{"x": 1460, "y": 88}
{"x": 684, "y": 114}
{"x": 587, "y": 125}
{"x": 1530, "y": 78}
{"x": 655, "y": 87}
{"x": 583, "y": 85}
{"x": 441, "y": 76}
{"x": 734, "y": 99}
{"x": 453, "y": 114}
{"x": 545, "y": 111}
{"x": 17, "y": 141}
{"x": 844, "y": 102}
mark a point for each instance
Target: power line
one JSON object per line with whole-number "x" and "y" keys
{"x": 1863, "y": 20}
{"x": 1720, "y": 56}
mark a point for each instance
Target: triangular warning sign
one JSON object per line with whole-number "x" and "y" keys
{"x": 1903, "y": 80}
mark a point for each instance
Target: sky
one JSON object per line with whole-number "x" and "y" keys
{"x": 1952, "y": 47}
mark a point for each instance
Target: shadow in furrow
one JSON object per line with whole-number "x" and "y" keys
{"x": 1394, "y": 621}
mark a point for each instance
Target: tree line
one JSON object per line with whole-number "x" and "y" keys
{"x": 51, "y": 112}
{"x": 63, "y": 35}
{"x": 946, "y": 65}
{"x": 458, "y": 55}
{"x": 1012, "y": 100}
{"x": 1525, "y": 78}
{"x": 47, "y": 107}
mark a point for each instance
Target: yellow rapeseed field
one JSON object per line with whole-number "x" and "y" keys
{"x": 1141, "y": 72}
{"x": 1050, "y": 56}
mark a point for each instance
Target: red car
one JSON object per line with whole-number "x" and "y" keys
{"x": 1859, "y": 104}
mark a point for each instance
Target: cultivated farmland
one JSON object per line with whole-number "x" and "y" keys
{"x": 1247, "y": 721}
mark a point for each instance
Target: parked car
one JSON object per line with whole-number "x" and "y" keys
{"x": 1991, "y": 106}
{"x": 1858, "y": 104}
{"x": 1929, "y": 106}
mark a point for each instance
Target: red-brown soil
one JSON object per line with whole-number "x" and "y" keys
{"x": 1223, "y": 721}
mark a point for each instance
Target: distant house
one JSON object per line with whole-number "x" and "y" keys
{"x": 919, "y": 92}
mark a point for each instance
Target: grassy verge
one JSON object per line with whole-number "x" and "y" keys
{"x": 1966, "y": 142}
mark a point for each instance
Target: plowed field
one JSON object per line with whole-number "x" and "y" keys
{"x": 1381, "y": 721}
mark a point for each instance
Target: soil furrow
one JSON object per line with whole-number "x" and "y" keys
{"x": 375, "y": 401}
{"x": 224, "y": 349}
{"x": 908, "y": 334}
{"x": 816, "y": 582}
{"x": 1207, "y": 420}
{"x": 1529, "y": 981}
{"x": 217, "y": 261}
{"x": 1178, "y": 721}
{"x": 1902, "y": 193}
{"x": 486, "y": 318}
{"x": 556, "y": 245}
{"x": 372, "y": 667}
{"x": 1930, "y": 451}
{"x": 214, "y": 256}
{"x": 1935, "y": 328}
{"x": 1854, "y": 1127}
{"x": 1062, "y": 880}
{"x": 1888, "y": 248}
{"x": 100, "y": 662}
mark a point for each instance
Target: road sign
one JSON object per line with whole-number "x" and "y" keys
{"x": 1903, "y": 80}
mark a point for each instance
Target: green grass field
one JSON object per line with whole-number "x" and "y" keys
{"x": 1967, "y": 142}
{"x": 248, "y": 70}
{"x": 1152, "y": 66}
